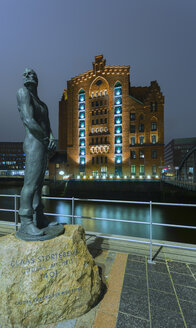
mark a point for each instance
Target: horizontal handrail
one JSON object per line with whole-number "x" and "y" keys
{"x": 114, "y": 237}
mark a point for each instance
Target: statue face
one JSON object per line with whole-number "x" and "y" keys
{"x": 30, "y": 77}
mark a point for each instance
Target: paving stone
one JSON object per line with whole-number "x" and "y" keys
{"x": 160, "y": 281}
{"x": 183, "y": 279}
{"x": 128, "y": 321}
{"x": 163, "y": 300}
{"x": 178, "y": 267}
{"x": 133, "y": 281}
{"x": 189, "y": 312}
{"x": 135, "y": 266}
{"x": 158, "y": 267}
{"x": 186, "y": 293}
{"x": 135, "y": 303}
{"x": 193, "y": 268}
{"x": 165, "y": 319}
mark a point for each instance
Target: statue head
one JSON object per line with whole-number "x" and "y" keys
{"x": 30, "y": 77}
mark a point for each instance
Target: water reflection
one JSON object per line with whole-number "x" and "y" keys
{"x": 115, "y": 211}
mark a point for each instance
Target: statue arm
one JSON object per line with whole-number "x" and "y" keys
{"x": 26, "y": 113}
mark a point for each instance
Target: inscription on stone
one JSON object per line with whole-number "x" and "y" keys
{"x": 48, "y": 263}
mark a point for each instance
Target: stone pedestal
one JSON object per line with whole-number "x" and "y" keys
{"x": 46, "y": 281}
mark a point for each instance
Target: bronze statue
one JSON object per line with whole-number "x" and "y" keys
{"x": 39, "y": 140}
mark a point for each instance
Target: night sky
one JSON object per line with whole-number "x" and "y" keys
{"x": 59, "y": 39}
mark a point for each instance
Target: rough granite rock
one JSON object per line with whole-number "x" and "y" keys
{"x": 48, "y": 281}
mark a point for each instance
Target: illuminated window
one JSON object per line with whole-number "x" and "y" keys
{"x": 82, "y": 142}
{"x": 97, "y": 130}
{"x": 153, "y": 126}
{"x": 82, "y": 133}
{"x": 141, "y": 140}
{"x": 141, "y": 169}
{"x": 82, "y": 160}
{"x": 105, "y": 129}
{"x": 118, "y": 119}
{"x": 154, "y": 139}
{"x": 118, "y": 159}
{"x": 132, "y": 141}
{"x": 92, "y": 130}
{"x": 141, "y": 127}
{"x": 82, "y": 151}
{"x": 142, "y": 153}
{"x": 101, "y": 129}
{"x": 132, "y": 116}
{"x": 133, "y": 154}
{"x": 118, "y": 140}
{"x": 154, "y": 169}
{"x": 118, "y": 110}
{"x": 81, "y": 115}
{"x": 118, "y": 129}
{"x": 118, "y": 150}
{"x": 82, "y": 124}
{"x": 133, "y": 169}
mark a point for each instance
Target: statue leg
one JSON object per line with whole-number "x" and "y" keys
{"x": 39, "y": 219}
{"x": 31, "y": 183}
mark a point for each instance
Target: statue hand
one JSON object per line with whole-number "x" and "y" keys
{"x": 51, "y": 145}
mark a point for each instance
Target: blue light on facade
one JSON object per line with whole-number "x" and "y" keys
{"x": 118, "y": 129}
{"x": 118, "y": 119}
{"x": 82, "y": 124}
{"x": 118, "y": 159}
{"x": 118, "y": 110}
{"x": 81, "y": 106}
{"x": 82, "y": 160}
{"x": 82, "y": 133}
{"x": 118, "y": 150}
{"x": 82, "y": 115}
{"x": 82, "y": 151}
{"x": 118, "y": 124}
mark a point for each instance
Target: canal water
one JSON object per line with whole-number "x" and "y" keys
{"x": 116, "y": 211}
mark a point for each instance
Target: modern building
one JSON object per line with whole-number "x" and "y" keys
{"x": 109, "y": 128}
{"x": 12, "y": 158}
{"x": 176, "y": 151}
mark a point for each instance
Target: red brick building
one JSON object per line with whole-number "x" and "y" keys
{"x": 109, "y": 128}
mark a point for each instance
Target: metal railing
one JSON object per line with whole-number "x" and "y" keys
{"x": 72, "y": 216}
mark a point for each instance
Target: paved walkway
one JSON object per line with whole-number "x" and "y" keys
{"x": 142, "y": 295}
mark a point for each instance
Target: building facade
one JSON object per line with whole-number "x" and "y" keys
{"x": 12, "y": 158}
{"x": 108, "y": 128}
{"x": 174, "y": 153}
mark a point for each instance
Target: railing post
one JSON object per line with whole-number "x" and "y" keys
{"x": 15, "y": 213}
{"x": 150, "y": 214}
{"x": 72, "y": 211}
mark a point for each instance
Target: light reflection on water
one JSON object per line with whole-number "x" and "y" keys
{"x": 115, "y": 211}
